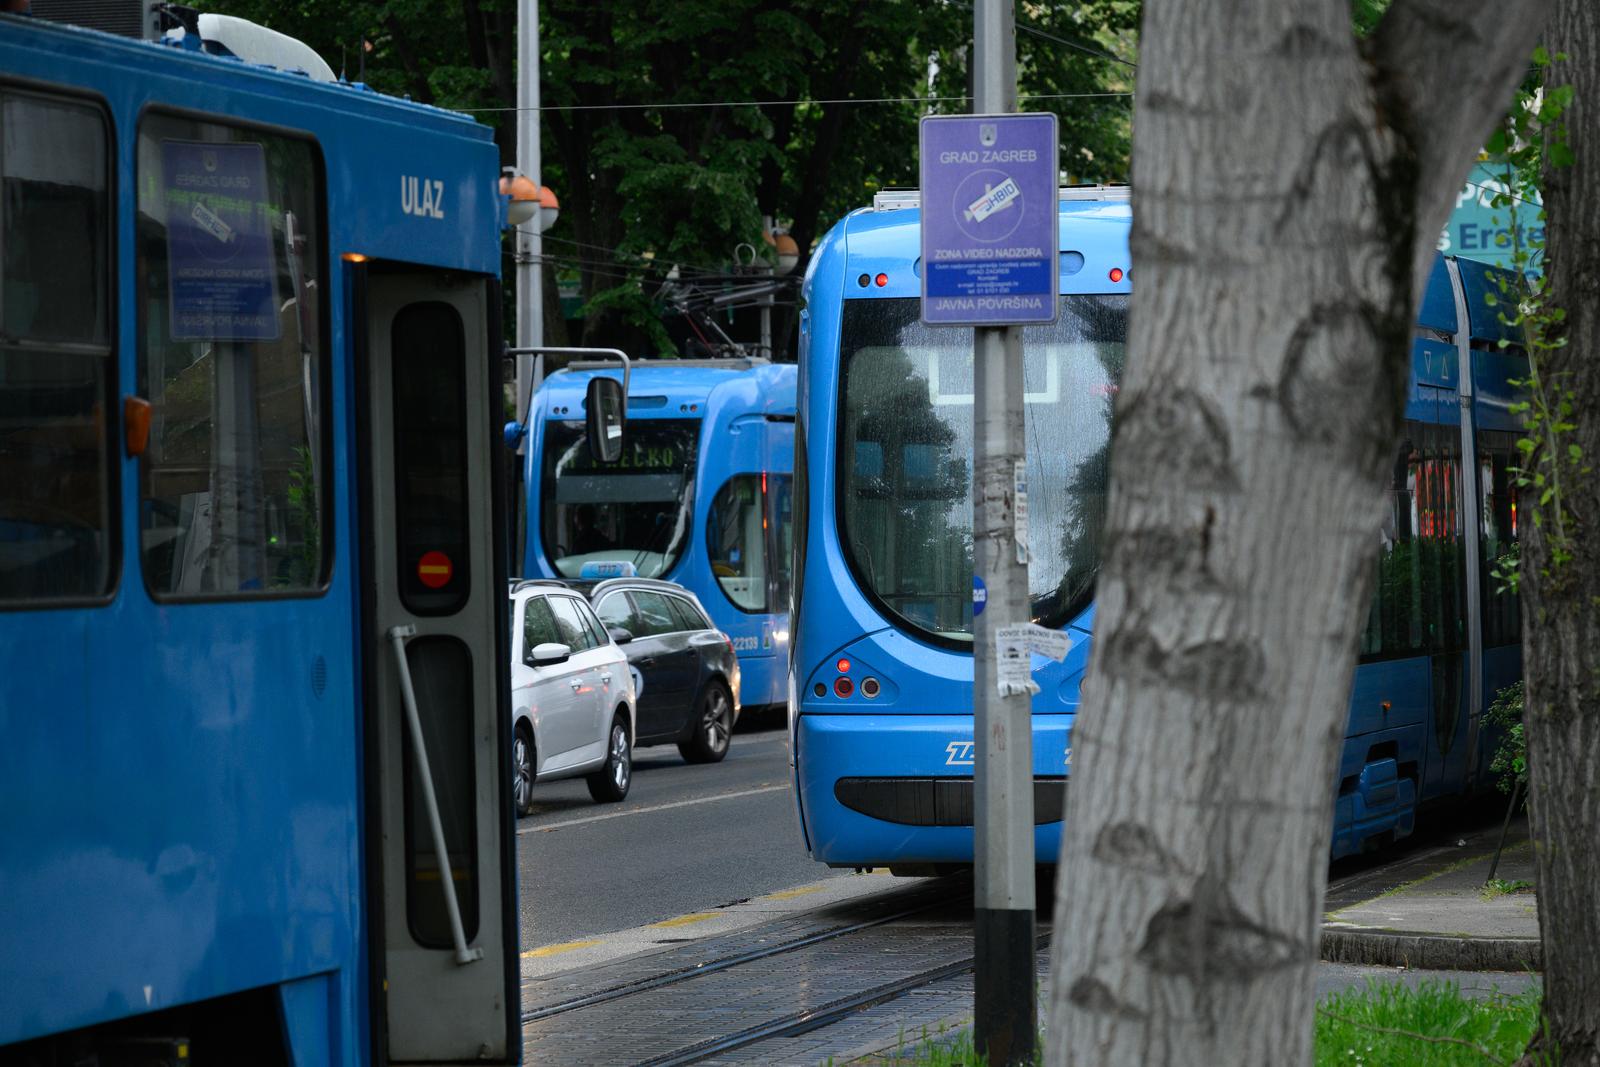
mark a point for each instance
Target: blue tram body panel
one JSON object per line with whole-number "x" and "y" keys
{"x": 740, "y": 417}
{"x": 184, "y": 779}
{"x": 1411, "y": 737}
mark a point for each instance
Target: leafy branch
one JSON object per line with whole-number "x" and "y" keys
{"x": 1533, "y": 135}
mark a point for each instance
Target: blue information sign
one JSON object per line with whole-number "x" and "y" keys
{"x": 219, "y": 242}
{"x": 989, "y": 190}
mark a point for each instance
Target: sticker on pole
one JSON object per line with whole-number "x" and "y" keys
{"x": 434, "y": 570}
{"x": 989, "y": 219}
{"x": 980, "y": 596}
{"x": 1015, "y": 646}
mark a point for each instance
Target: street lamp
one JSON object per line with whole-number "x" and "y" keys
{"x": 527, "y": 202}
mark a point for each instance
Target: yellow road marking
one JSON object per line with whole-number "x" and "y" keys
{"x": 556, "y": 950}
{"x": 790, "y": 894}
{"x": 686, "y": 920}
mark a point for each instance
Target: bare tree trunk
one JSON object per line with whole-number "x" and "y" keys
{"x": 1287, "y": 187}
{"x": 1561, "y": 600}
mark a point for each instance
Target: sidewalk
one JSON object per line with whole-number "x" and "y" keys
{"x": 1435, "y": 912}
{"x": 1428, "y": 915}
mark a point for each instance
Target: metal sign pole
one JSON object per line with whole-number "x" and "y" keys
{"x": 1004, "y": 1013}
{"x": 990, "y": 216}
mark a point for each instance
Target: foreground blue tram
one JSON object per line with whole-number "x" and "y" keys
{"x": 701, "y": 496}
{"x": 881, "y": 704}
{"x": 253, "y": 749}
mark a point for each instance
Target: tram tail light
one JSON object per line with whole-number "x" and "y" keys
{"x": 869, "y": 687}
{"x": 843, "y": 687}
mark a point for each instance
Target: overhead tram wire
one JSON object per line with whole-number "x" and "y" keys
{"x": 1037, "y": 32}
{"x": 665, "y": 105}
{"x": 640, "y": 256}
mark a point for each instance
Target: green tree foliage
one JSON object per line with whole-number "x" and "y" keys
{"x": 669, "y": 130}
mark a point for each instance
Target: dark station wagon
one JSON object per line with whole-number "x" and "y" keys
{"x": 684, "y": 668}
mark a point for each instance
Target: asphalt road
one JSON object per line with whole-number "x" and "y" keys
{"x": 688, "y": 838}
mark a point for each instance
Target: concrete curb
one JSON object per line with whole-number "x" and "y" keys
{"x": 1431, "y": 952}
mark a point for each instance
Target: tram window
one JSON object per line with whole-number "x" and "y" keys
{"x": 1498, "y": 534}
{"x": 780, "y": 511}
{"x": 57, "y": 381}
{"x": 441, "y": 670}
{"x": 1418, "y": 602}
{"x": 235, "y": 490}
{"x": 430, "y": 439}
{"x": 637, "y": 509}
{"x": 736, "y": 535}
{"x": 904, "y": 483}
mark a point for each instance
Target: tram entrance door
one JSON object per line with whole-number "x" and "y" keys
{"x": 442, "y": 900}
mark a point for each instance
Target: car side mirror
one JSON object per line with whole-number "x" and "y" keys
{"x": 604, "y": 414}
{"x": 549, "y": 653}
{"x": 620, "y": 635}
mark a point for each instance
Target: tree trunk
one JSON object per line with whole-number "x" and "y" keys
{"x": 1561, "y": 600}
{"x": 1286, "y": 190}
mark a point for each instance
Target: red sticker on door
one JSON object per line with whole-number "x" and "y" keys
{"x": 434, "y": 570}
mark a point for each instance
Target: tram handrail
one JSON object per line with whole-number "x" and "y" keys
{"x": 464, "y": 955}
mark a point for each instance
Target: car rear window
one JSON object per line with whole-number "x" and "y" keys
{"x": 689, "y": 617}
{"x": 654, "y": 614}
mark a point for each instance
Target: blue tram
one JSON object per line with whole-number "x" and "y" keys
{"x": 255, "y": 768}
{"x": 881, "y": 699}
{"x": 701, "y": 495}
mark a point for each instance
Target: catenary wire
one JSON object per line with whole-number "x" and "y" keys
{"x": 662, "y": 106}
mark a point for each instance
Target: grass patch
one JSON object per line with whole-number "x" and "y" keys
{"x": 1431, "y": 1025}
{"x": 1385, "y": 1024}
{"x": 1499, "y": 887}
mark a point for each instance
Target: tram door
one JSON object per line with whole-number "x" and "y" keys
{"x": 443, "y": 916}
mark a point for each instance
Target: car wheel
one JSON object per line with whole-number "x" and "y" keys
{"x": 522, "y": 768}
{"x": 610, "y": 783}
{"x": 713, "y": 726}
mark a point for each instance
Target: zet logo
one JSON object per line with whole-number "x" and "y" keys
{"x": 958, "y": 754}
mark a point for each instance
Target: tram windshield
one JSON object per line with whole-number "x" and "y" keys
{"x": 637, "y": 509}
{"x": 905, "y": 439}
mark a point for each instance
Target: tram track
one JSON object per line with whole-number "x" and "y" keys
{"x": 689, "y": 1010}
{"x": 824, "y": 1015}
{"x": 700, "y": 970}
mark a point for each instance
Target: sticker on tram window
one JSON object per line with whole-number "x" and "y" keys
{"x": 220, "y": 262}
{"x": 434, "y": 570}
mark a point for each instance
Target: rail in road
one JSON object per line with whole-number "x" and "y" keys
{"x": 831, "y": 983}
{"x": 744, "y": 996}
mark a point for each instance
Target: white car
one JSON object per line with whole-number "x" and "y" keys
{"x": 572, "y": 695}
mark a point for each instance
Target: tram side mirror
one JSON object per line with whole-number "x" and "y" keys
{"x": 603, "y": 419}
{"x": 549, "y": 653}
{"x": 619, "y": 635}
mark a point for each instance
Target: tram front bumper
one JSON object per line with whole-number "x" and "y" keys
{"x": 879, "y": 790}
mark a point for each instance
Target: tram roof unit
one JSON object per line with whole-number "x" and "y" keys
{"x": 373, "y": 146}
{"x": 672, "y": 388}
{"x": 898, "y": 199}
{"x": 885, "y": 240}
